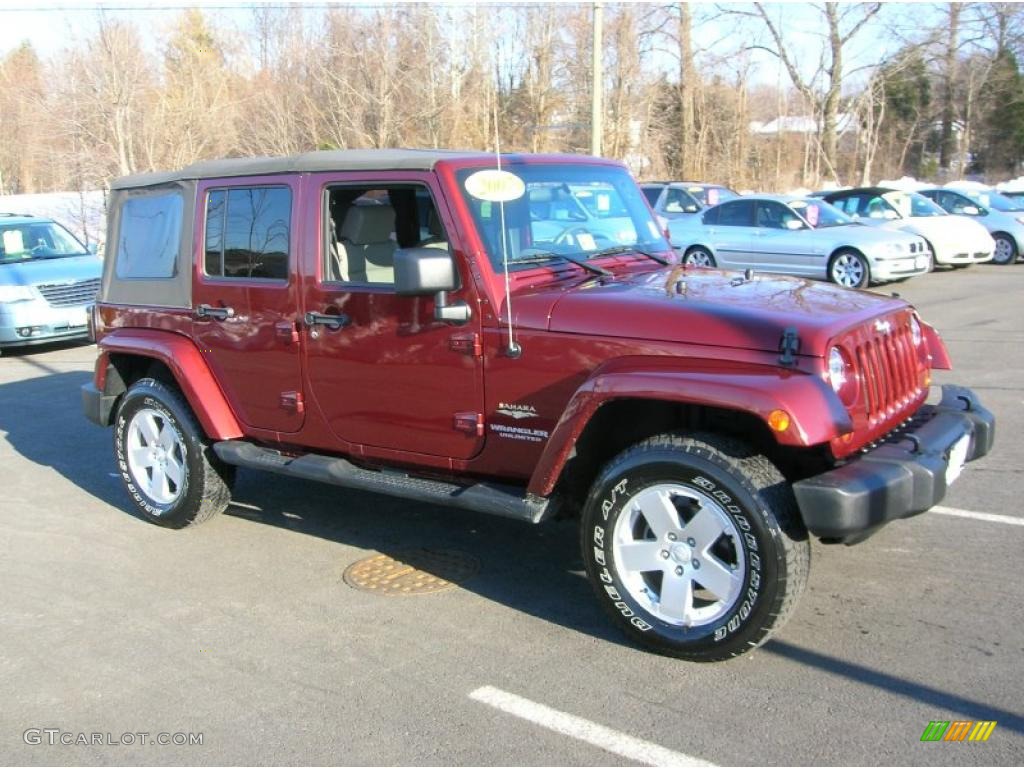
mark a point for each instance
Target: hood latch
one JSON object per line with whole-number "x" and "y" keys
{"x": 789, "y": 347}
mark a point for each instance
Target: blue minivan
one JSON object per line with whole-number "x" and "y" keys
{"x": 48, "y": 282}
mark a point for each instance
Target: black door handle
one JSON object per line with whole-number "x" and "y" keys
{"x": 333, "y": 322}
{"x": 219, "y": 313}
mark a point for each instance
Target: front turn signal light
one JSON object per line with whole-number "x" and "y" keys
{"x": 778, "y": 420}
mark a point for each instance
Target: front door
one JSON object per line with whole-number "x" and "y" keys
{"x": 386, "y": 374}
{"x": 244, "y": 298}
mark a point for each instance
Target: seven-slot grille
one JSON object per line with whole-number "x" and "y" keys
{"x": 889, "y": 364}
{"x": 70, "y": 294}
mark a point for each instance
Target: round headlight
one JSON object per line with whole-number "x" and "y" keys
{"x": 915, "y": 331}
{"x": 837, "y": 374}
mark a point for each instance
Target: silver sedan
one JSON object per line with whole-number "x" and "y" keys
{"x": 798, "y": 236}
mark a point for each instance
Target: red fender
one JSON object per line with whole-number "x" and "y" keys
{"x": 816, "y": 414}
{"x": 187, "y": 365}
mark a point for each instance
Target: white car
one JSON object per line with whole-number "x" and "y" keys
{"x": 1002, "y": 216}
{"x": 958, "y": 241}
{"x": 797, "y": 236}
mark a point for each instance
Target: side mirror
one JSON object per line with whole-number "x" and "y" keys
{"x": 794, "y": 224}
{"x": 425, "y": 271}
{"x": 972, "y": 210}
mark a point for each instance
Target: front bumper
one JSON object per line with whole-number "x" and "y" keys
{"x": 45, "y": 323}
{"x": 902, "y": 477}
{"x": 97, "y": 406}
{"x": 896, "y": 268}
{"x": 964, "y": 253}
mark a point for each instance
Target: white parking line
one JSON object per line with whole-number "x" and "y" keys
{"x": 985, "y": 516}
{"x": 569, "y": 725}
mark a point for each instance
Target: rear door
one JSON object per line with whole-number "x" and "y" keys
{"x": 731, "y": 235}
{"x": 245, "y": 297}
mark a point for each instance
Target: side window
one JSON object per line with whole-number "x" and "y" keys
{"x": 148, "y": 236}
{"x": 365, "y": 225}
{"x": 776, "y": 216}
{"x": 677, "y": 201}
{"x": 652, "y": 194}
{"x": 710, "y": 216}
{"x": 248, "y": 233}
{"x": 736, "y": 214}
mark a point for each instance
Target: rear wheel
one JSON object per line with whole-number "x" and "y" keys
{"x": 1005, "y": 251}
{"x": 165, "y": 461}
{"x": 694, "y": 547}
{"x": 699, "y": 257}
{"x": 849, "y": 269}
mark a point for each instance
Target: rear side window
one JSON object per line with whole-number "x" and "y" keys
{"x": 248, "y": 233}
{"x": 149, "y": 236}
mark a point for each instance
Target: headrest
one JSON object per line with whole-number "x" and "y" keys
{"x": 366, "y": 224}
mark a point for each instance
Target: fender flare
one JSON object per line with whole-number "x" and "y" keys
{"x": 186, "y": 364}
{"x": 816, "y": 413}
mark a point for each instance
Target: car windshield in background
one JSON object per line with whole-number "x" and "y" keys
{"x": 993, "y": 199}
{"x": 711, "y": 195}
{"x": 37, "y": 240}
{"x": 558, "y": 210}
{"x": 911, "y": 204}
{"x": 820, "y": 214}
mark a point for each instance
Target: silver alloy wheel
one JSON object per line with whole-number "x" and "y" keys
{"x": 679, "y": 555}
{"x": 156, "y": 456}
{"x": 1004, "y": 251}
{"x": 848, "y": 270}
{"x": 698, "y": 258}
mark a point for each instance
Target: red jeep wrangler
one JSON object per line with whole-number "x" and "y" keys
{"x": 512, "y": 336}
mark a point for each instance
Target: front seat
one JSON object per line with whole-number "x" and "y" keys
{"x": 366, "y": 237}
{"x": 437, "y": 238}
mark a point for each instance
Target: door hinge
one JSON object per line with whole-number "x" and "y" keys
{"x": 466, "y": 343}
{"x": 293, "y": 401}
{"x": 470, "y": 422}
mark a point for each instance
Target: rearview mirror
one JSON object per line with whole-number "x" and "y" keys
{"x": 423, "y": 271}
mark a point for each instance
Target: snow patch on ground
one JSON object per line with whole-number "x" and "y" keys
{"x": 84, "y": 213}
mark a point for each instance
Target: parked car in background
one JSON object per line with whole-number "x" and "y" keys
{"x": 672, "y": 201}
{"x": 48, "y": 282}
{"x": 958, "y": 241}
{"x": 561, "y": 212}
{"x": 1000, "y": 215}
{"x": 798, "y": 236}
{"x": 708, "y": 194}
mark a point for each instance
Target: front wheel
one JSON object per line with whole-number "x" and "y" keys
{"x": 850, "y": 270}
{"x": 694, "y": 546}
{"x": 1005, "y": 251}
{"x": 165, "y": 462}
{"x": 699, "y": 257}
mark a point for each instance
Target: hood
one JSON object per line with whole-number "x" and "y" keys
{"x": 43, "y": 271}
{"x": 943, "y": 228}
{"x": 717, "y": 308}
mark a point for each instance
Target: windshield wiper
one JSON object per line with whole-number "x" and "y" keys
{"x": 631, "y": 249}
{"x": 545, "y": 255}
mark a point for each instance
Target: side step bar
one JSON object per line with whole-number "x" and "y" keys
{"x": 501, "y": 500}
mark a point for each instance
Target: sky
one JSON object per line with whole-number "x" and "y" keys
{"x": 54, "y": 25}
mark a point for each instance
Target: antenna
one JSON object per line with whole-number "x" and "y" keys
{"x": 513, "y": 349}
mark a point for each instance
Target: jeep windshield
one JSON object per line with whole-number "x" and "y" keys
{"x": 37, "y": 240}
{"x": 573, "y": 210}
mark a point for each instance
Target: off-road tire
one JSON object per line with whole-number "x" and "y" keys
{"x": 752, "y": 493}
{"x": 205, "y": 489}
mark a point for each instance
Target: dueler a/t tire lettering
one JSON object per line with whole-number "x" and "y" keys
{"x": 754, "y": 501}
{"x": 205, "y": 484}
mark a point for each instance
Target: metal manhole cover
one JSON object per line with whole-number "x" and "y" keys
{"x": 411, "y": 572}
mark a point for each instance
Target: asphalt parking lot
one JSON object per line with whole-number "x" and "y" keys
{"x": 244, "y": 631}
